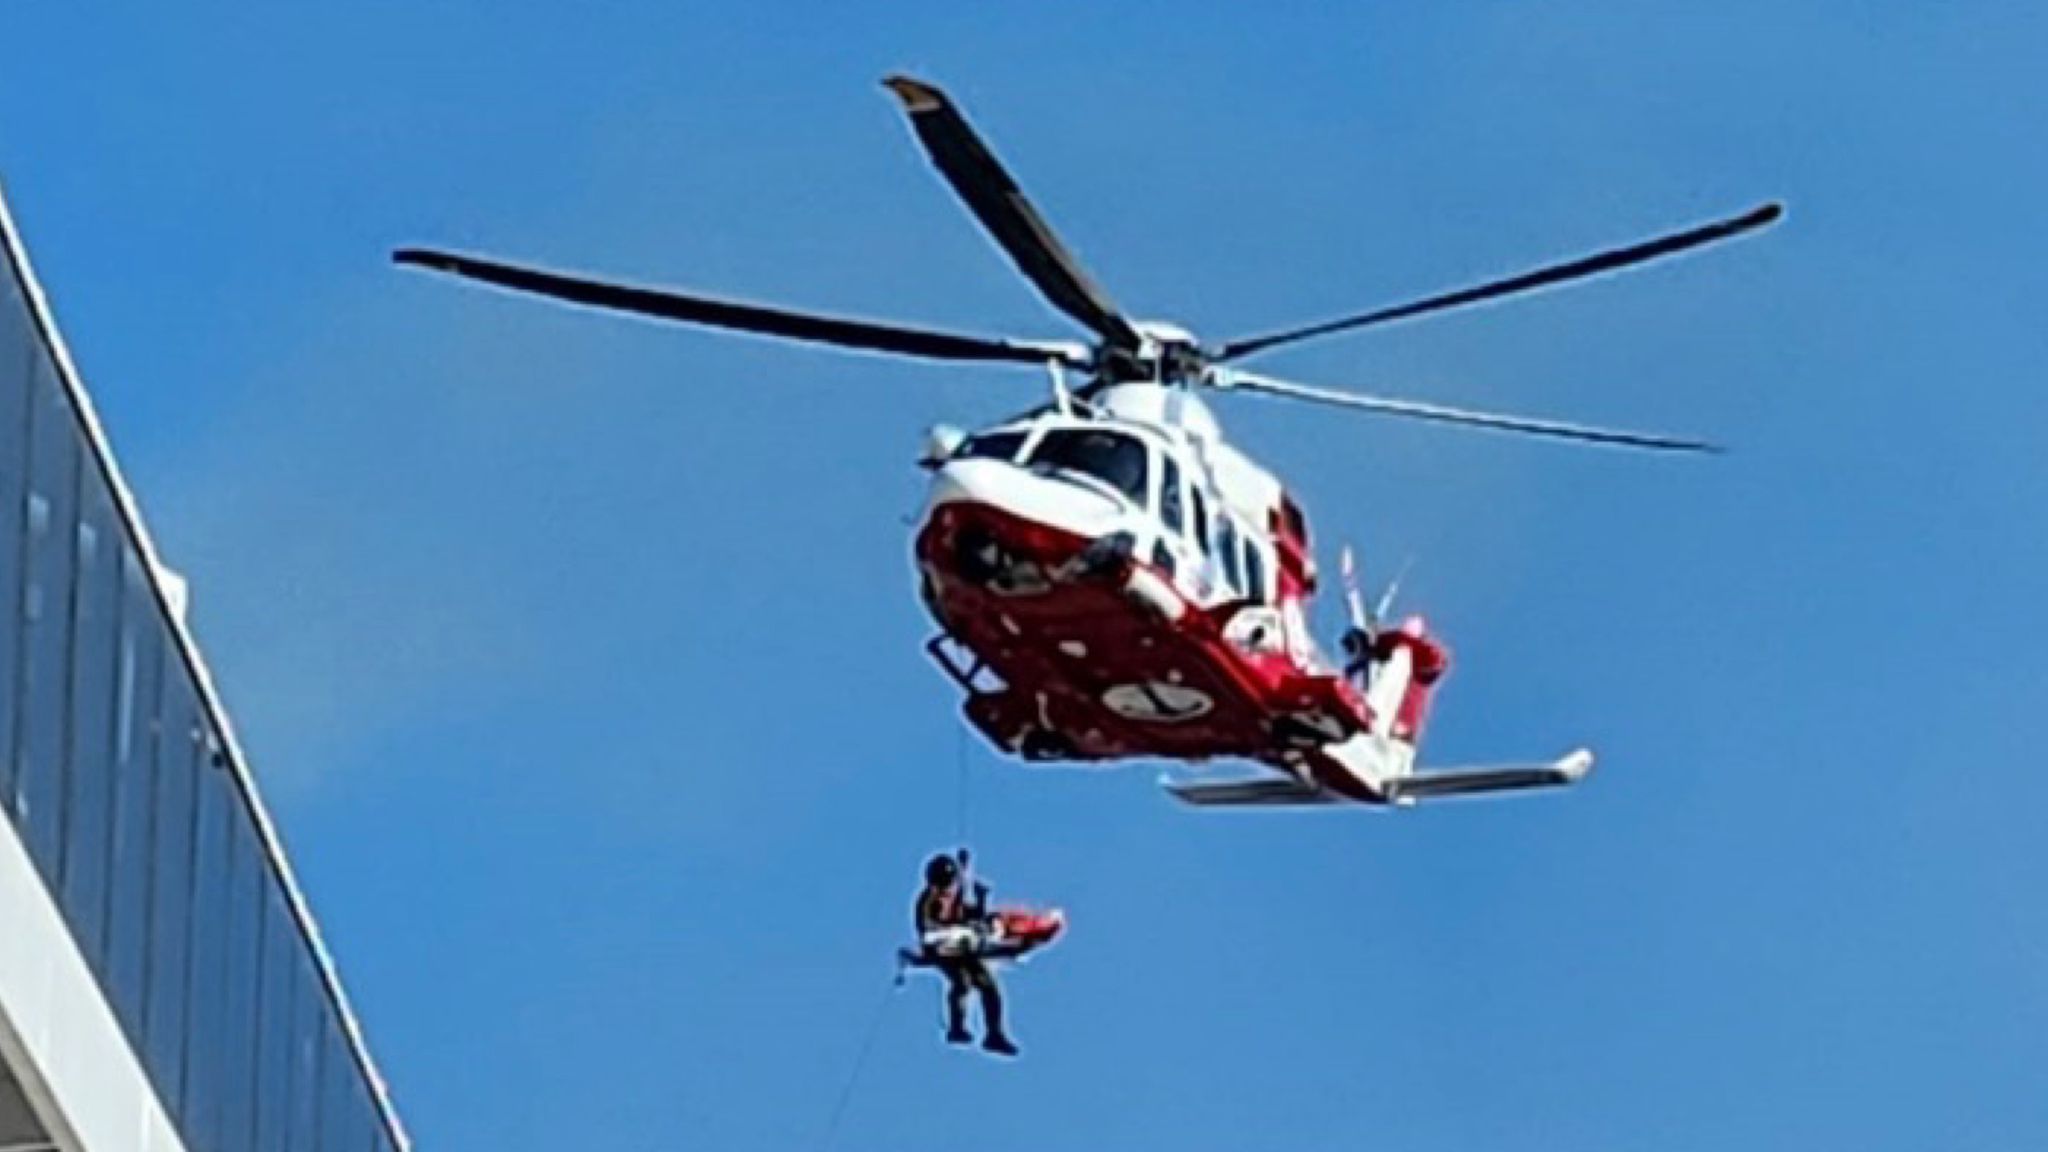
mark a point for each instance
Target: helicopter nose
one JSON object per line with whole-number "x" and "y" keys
{"x": 968, "y": 481}
{"x": 1019, "y": 492}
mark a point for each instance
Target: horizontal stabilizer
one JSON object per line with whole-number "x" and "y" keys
{"x": 1258, "y": 792}
{"x": 1437, "y": 782}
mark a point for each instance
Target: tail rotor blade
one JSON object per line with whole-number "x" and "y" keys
{"x": 1354, "y": 601}
{"x": 1393, "y": 589}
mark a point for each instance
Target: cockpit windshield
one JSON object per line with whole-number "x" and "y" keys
{"x": 1110, "y": 457}
{"x": 992, "y": 446}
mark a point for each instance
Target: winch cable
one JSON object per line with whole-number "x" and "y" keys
{"x": 961, "y": 785}
{"x": 961, "y": 811}
{"x": 860, "y": 1063}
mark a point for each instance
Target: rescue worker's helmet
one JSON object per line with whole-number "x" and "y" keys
{"x": 941, "y": 871}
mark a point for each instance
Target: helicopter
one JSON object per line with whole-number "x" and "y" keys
{"x": 1110, "y": 578}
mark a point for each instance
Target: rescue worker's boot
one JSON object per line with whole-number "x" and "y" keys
{"x": 999, "y": 1044}
{"x": 994, "y": 1039}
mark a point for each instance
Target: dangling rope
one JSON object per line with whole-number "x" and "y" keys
{"x": 961, "y": 782}
{"x": 961, "y": 812}
{"x": 860, "y": 1062}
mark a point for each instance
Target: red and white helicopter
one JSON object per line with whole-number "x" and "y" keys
{"x": 1113, "y": 580}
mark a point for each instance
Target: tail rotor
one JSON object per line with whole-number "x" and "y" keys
{"x": 1357, "y": 641}
{"x": 1365, "y": 625}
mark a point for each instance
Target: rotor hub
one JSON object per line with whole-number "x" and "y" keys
{"x": 1166, "y": 353}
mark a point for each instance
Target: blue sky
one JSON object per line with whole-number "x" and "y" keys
{"x": 579, "y": 657}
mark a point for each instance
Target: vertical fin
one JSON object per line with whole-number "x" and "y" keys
{"x": 1389, "y": 685}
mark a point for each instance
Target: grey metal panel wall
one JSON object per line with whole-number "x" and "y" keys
{"x": 116, "y": 777}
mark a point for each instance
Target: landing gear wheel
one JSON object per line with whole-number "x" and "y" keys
{"x": 1040, "y": 745}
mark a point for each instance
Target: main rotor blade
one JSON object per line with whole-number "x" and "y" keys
{"x": 990, "y": 192}
{"x": 1230, "y": 378}
{"x": 714, "y": 313}
{"x": 1594, "y": 265}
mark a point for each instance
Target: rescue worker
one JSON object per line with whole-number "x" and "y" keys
{"x": 951, "y": 933}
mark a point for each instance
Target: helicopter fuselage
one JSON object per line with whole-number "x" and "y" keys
{"x": 1113, "y": 581}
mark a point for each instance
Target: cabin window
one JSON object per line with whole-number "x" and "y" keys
{"x": 1226, "y": 553}
{"x": 1254, "y": 572}
{"x": 1201, "y": 521}
{"x": 993, "y": 446}
{"x": 1170, "y": 506}
{"x": 1109, "y": 457}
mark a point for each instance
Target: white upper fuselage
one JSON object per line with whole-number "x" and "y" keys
{"x": 1139, "y": 458}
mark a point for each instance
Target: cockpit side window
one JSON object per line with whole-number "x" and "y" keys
{"x": 992, "y": 446}
{"x": 1170, "y": 506}
{"x": 1201, "y": 519}
{"x": 1110, "y": 457}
